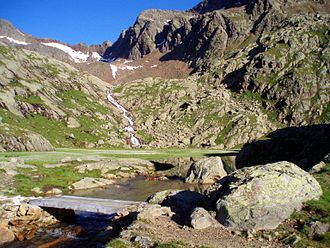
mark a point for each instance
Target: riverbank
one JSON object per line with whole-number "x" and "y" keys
{"x": 59, "y": 172}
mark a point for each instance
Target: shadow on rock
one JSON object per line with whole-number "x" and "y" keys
{"x": 304, "y": 146}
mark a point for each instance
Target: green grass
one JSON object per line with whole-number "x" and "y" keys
{"x": 315, "y": 210}
{"x": 173, "y": 244}
{"x": 116, "y": 243}
{"x": 147, "y": 138}
{"x": 222, "y": 135}
{"x": 76, "y": 99}
{"x": 57, "y": 132}
{"x": 52, "y": 69}
{"x": 60, "y": 177}
{"x": 54, "y": 157}
{"x": 32, "y": 99}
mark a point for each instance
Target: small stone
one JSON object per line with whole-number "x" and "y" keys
{"x": 6, "y": 236}
{"x": 23, "y": 209}
{"x": 66, "y": 160}
{"x": 318, "y": 167}
{"x": 201, "y": 219}
{"x": 317, "y": 229}
{"x": 152, "y": 211}
{"x": 72, "y": 123}
{"x": 36, "y": 190}
{"x": 54, "y": 191}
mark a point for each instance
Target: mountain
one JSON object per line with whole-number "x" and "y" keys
{"x": 221, "y": 74}
{"x": 79, "y": 53}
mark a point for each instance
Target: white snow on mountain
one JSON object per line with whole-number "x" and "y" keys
{"x": 114, "y": 70}
{"x": 96, "y": 56}
{"x": 13, "y": 40}
{"x": 78, "y": 57}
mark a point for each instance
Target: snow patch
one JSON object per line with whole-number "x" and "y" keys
{"x": 153, "y": 66}
{"x": 114, "y": 70}
{"x": 14, "y": 41}
{"x": 78, "y": 57}
{"x": 130, "y": 68}
{"x": 127, "y": 61}
{"x": 96, "y": 56}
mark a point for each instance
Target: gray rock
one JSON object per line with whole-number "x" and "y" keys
{"x": 151, "y": 212}
{"x": 317, "y": 229}
{"x": 88, "y": 183}
{"x": 54, "y": 191}
{"x": 72, "y": 123}
{"x": 261, "y": 197}
{"x": 206, "y": 171}
{"x": 37, "y": 190}
{"x": 318, "y": 167}
{"x": 201, "y": 219}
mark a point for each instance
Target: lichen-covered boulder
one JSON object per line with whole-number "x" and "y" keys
{"x": 206, "y": 171}
{"x": 263, "y": 196}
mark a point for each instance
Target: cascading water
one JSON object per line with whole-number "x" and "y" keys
{"x": 129, "y": 129}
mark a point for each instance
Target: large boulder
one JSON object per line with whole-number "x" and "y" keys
{"x": 263, "y": 196}
{"x": 206, "y": 171}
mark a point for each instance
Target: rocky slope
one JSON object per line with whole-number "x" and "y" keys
{"x": 191, "y": 112}
{"x": 273, "y": 58}
{"x": 259, "y": 65}
{"x": 49, "y": 97}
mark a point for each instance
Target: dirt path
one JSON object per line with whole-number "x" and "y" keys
{"x": 166, "y": 231}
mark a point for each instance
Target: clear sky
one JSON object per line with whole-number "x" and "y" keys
{"x": 89, "y": 21}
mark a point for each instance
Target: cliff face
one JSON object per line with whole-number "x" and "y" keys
{"x": 212, "y": 27}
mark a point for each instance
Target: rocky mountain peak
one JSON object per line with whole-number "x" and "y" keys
{"x": 212, "y": 5}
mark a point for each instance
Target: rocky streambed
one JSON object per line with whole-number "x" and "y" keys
{"x": 211, "y": 203}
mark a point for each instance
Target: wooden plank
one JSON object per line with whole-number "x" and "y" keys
{"x": 87, "y": 204}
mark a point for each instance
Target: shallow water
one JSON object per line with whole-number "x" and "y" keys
{"x": 137, "y": 189}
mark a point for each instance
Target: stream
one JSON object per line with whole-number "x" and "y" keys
{"x": 90, "y": 229}
{"x": 129, "y": 129}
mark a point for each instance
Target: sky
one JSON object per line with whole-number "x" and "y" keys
{"x": 74, "y": 21}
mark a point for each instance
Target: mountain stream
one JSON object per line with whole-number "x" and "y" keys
{"x": 129, "y": 129}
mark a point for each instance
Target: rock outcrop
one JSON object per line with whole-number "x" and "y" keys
{"x": 22, "y": 140}
{"x": 22, "y": 221}
{"x": 206, "y": 171}
{"x": 261, "y": 197}
{"x": 88, "y": 183}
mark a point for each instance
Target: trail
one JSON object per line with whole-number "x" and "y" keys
{"x": 129, "y": 129}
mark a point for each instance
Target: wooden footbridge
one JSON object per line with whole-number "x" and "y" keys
{"x": 85, "y": 204}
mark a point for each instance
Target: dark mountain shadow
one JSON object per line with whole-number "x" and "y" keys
{"x": 304, "y": 146}
{"x": 211, "y": 5}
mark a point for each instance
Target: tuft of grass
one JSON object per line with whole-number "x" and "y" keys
{"x": 42, "y": 177}
{"x": 116, "y": 243}
{"x": 173, "y": 244}
{"x": 147, "y": 138}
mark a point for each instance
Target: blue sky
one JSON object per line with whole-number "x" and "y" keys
{"x": 89, "y": 21}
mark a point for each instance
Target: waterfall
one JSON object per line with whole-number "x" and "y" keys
{"x": 129, "y": 129}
